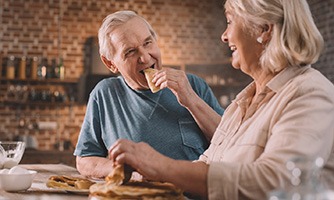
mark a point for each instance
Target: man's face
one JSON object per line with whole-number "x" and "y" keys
{"x": 135, "y": 50}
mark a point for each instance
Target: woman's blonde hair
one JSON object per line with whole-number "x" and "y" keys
{"x": 295, "y": 39}
{"x": 110, "y": 23}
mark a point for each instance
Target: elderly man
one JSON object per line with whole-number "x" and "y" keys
{"x": 178, "y": 121}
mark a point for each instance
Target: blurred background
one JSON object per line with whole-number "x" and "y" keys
{"x": 49, "y": 61}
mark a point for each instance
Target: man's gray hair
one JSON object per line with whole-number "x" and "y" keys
{"x": 110, "y": 23}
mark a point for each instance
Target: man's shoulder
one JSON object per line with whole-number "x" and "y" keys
{"x": 196, "y": 81}
{"x": 193, "y": 76}
{"x": 108, "y": 82}
{"x": 107, "y": 85}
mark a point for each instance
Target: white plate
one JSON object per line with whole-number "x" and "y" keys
{"x": 73, "y": 191}
{"x": 82, "y": 192}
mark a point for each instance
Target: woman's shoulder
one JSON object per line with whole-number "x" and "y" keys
{"x": 313, "y": 81}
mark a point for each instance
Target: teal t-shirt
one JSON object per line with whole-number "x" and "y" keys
{"x": 116, "y": 111}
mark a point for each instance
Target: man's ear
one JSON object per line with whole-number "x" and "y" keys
{"x": 109, "y": 64}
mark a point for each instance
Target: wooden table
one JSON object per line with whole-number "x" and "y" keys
{"x": 39, "y": 190}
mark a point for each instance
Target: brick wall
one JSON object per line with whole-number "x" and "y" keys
{"x": 189, "y": 33}
{"x": 323, "y": 12}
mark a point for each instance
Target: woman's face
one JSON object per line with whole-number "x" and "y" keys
{"x": 246, "y": 51}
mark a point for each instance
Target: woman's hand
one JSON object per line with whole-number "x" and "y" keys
{"x": 140, "y": 156}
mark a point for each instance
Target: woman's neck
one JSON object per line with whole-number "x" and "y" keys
{"x": 261, "y": 79}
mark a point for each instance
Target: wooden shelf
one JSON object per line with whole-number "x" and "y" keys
{"x": 38, "y": 92}
{"x": 51, "y": 81}
{"x": 37, "y": 103}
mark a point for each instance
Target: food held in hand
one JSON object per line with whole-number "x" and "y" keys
{"x": 149, "y": 76}
{"x": 118, "y": 176}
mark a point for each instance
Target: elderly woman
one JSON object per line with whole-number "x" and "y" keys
{"x": 285, "y": 113}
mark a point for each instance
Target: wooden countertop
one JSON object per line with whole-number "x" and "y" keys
{"x": 39, "y": 190}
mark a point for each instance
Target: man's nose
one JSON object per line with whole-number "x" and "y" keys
{"x": 144, "y": 56}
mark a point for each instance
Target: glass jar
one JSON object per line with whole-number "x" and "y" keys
{"x": 10, "y": 69}
{"x": 305, "y": 182}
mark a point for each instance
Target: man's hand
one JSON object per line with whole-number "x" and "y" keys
{"x": 177, "y": 82}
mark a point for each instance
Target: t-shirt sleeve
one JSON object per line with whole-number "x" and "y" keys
{"x": 203, "y": 90}
{"x": 90, "y": 141}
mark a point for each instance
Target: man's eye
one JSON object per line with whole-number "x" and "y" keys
{"x": 148, "y": 42}
{"x": 129, "y": 52}
{"x": 228, "y": 22}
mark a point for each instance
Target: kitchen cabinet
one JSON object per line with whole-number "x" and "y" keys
{"x": 32, "y": 156}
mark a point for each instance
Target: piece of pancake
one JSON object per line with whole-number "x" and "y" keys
{"x": 149, "y": 76}
{"x": 118, "y": 175}
{"x": 68, "y": 182}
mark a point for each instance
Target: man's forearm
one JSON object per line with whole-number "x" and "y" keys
{"x": 94, "y": 167}
{"x": 206, "y": 118}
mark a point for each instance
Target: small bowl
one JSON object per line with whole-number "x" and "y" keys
{"x": 11, "y": 153}
{"x": 16, "y": 182}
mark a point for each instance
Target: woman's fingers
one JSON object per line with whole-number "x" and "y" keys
{"x": 140, "y": 156}
{"x": 119, "y": 147}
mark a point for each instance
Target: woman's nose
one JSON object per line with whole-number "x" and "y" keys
{"x": 144, "y": 56}
{"x": 224, "y": 37}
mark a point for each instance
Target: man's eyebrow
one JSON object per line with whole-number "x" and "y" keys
{"x": 148, "y": 38}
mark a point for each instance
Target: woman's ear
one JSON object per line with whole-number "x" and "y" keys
{"x": 266, "y": 33}
{"x": 109, "y": 64}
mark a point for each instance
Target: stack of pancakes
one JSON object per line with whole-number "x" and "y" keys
{"x": 117, "y": 187}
